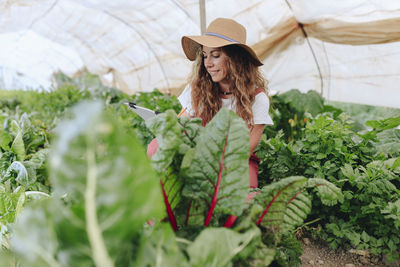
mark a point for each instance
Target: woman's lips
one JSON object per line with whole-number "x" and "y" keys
{"x": 213, "y": 72}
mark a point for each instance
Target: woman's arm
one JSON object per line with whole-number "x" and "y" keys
{"x": 255, "y": 136}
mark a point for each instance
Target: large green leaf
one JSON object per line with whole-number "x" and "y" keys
{"x": 217, "y": 246}
{"x": 287, "y": 204}
{"x": 169, "y": 137}
{"x": 217, "y": 171}
{"x": 18, "y": 146}
{"x": 328, "y": 193}
{"x": 275, "y": 199}
{"x": 10, "y": 205}
{"x": 388, "y": 142}
{"x": 5, "y": 140}
{"x": 385, "y": 124}
{"x": 297, "y": 211}
{"x": 309, "y": 102}
{"x": 26, "y": 174}
{"x": 158, "y": 247}
{"x": 109, "y": 191}
{"x": 38, "y": 159}
{"x": 175, "y": 137}
{"x": 34, "y": 236}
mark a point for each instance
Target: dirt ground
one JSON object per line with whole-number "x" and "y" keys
{"x": 316, "y": 254}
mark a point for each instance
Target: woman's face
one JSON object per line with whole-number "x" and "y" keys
{"x": 215, "y": 62}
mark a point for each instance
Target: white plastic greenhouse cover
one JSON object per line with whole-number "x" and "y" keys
{"x": 349, "y": 50}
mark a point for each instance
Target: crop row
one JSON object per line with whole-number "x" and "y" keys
{"x": 76, "y": 187}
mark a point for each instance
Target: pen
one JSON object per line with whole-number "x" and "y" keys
{"x": 182, "y": 111}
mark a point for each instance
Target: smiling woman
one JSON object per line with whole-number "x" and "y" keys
{"x": 226, "y": 74}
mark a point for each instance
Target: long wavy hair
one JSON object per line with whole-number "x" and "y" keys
{"x": 243, "y": 74}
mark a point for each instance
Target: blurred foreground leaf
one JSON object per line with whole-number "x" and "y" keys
{"x": 104, "y": 192}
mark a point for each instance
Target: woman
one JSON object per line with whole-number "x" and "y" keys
{"x": 226, "y": 74}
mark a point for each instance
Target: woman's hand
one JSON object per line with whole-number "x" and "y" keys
{"x": 255, "y": 136}
{"x": 184, "y": 114}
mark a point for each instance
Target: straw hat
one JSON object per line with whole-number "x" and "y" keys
{"x": 220, "y": 32}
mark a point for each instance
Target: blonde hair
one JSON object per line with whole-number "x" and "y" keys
{"x": 244, "y": 76}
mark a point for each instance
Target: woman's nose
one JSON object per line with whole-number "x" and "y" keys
{"x": 207, "y": 62}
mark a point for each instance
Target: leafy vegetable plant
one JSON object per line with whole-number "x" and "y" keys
{"x": 205, "y": 181}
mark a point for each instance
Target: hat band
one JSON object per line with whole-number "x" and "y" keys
{"x": 221, "y": 36}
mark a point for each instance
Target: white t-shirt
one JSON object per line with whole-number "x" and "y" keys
{"x": 260, "y": 106}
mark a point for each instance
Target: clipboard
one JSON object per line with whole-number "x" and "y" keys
{"x": 144, "y": 113}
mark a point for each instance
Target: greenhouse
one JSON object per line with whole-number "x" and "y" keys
{"x": 88, "y": 87}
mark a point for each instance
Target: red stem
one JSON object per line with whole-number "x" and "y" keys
{"x": 295, "y": 195}
{"x": 231, "y": 220}
{"x": 216, "y": 191}
{"x": 171, "y": 216}
{"x": 188, "y": 213}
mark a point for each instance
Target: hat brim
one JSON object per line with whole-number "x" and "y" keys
{"x": 191, "y": 44}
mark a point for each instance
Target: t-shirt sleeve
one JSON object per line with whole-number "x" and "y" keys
{"x": 260, "y": 110}
{"x": 185, "y": 98}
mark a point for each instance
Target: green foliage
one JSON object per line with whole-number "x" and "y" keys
{"x": 385, "y": 124}
{"x": 108, "y": 191}
{"x": 361, "y": 164}
{"x": 392, "y": 211}
{"x": 158, "y": 246}
{"x": 369, "y": 196}
{"x": 10, "y": 205}
{"x": 219, "y": 246}
{"x": 184, "y": 160}
{"x": 22, "y": 154}
{"x": 304, "y": 142}
{"x": 219, "y": 166}
{"x": 210, "y": 182}
{"x": 289, "y": 251}
{"x": 291, "y": 111}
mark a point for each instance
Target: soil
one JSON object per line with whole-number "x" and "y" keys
{"x": 317, "y": 254}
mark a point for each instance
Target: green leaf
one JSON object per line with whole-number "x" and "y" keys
{"x": 218, "y": 176}
{"x": 173, "y": 139}
{"x": 5, "y": 140}
{"x": 158, "y": 247}
{"x": 37, "y": 160}
{"x": 169, "y": 137}
{"x": 34, "y": 239}
{"x": 10, "y": 205}
{"x": 275, "y": 199}
{"x": 384, "y": 124}
{"x": 327, "y": 192}
{"x": 26, "y": 174}
{"x": 389, "y": 142}
{"x": 396, "y": 163}
{"x": 365, "y": 237}
{"x": 18, "y": 146}
{"x": 297, "y": 211}
{"x": 216, "y": 247}
{"x": 311, "y": 101}
{"x": 109, "y": 191}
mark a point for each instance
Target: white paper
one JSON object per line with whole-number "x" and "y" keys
{"x": 145, "y": 113}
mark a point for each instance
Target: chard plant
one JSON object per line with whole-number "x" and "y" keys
{"x": 205, "y": 182}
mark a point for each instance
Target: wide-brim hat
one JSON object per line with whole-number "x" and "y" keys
{"x": 221, "y": 32}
